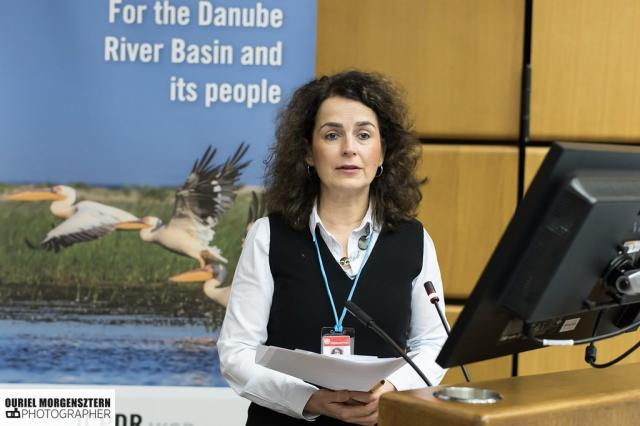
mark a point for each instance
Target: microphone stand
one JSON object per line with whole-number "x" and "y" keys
{"x": 434, "y": 299}
{"x": 451, "y": 393}
{"x": 454, "y": 393}
{"x": 365, "y": 319}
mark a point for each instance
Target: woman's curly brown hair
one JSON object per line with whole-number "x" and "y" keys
{"x": 291, "y": 190}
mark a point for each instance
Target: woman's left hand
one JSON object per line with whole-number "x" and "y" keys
{"x": 371, "y": 399}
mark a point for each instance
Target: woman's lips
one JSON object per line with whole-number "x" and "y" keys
{"x": 349, "y": 170}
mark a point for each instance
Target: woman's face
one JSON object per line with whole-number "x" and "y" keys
{"x": 346, "y": 148}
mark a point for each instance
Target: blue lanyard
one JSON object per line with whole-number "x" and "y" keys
{"x": 338, "y": 326}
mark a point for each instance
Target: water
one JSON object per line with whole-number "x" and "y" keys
{"x": 108, "y": 349}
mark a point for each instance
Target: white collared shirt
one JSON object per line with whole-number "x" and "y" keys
{"x": 354, "y": 253}
{"x": 247, "y": 316}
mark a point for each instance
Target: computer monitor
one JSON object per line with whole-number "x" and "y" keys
{"x": 563, "y": 269}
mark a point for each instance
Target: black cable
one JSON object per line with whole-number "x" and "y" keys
{"x": 618, "y": 359}
{"x": 608, "y": 335}
{"x": 597, "y": 323}
{"x": 524, "y": 120}
{"x": 591, "y": 350}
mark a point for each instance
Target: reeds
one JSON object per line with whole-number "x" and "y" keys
{"x": 118, "y": 271}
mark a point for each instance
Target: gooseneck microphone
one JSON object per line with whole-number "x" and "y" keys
{"x": 365, "y": 319}
{"x": 434, "y": 299}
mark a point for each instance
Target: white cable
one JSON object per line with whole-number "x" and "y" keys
{"x": 555, "y": 342}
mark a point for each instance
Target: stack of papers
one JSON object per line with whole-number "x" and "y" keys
{"x": 352, "y": 372}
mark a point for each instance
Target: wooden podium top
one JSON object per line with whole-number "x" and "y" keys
{"x": 580, "y": 397}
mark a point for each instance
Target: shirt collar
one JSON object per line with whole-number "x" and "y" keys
{"x": 367, "y": 222}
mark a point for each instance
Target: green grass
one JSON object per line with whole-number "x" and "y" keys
{"x": 118, "y": 270}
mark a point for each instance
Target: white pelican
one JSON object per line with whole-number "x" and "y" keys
{"x": 206, "y": 194}
{"x": 85, "y": 221}
{"x": 213, "y": 276}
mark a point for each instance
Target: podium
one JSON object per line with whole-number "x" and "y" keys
{"x": 580, "y": 397}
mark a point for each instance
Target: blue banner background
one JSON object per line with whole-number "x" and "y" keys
{"x": 67, "y": 115}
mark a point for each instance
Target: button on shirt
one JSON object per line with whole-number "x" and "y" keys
{"x": 247, "y": 316}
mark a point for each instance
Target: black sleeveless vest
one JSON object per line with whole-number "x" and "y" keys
{"x": 300, "y": 306}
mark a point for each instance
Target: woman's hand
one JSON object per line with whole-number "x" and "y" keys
{"x": 360, "y": 408}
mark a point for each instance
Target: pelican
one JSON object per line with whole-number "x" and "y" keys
{"x": 206, "y": 194}
{"x": 214, "y": 275}
{"x": 84, "y": 221}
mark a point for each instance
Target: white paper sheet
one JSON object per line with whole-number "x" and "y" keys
{"x": 331, "y": 372}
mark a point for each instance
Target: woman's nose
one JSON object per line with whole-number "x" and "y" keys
{"x": 348, "y": 145}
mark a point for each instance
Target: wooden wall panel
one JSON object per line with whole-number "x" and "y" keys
{"x": 459, "y": 60}
{"x": 467, "y": 204}
{"x": 497, "y": 368}
{"x": 585, "y": 70}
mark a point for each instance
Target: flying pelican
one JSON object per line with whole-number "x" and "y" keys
{"x": 84, "y": 221}
{"x": 214, "y": 275}
{"x": 206, "y": 194}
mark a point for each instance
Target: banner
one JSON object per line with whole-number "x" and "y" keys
{"x": 122, "y": 124}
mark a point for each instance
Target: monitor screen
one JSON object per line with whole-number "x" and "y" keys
{"x": 564, "y": 268}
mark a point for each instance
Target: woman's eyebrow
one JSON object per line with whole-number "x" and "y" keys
{"x": 365, "y": 123}
{"x": 340, "y": 126}
{"x": 331, "y": 124}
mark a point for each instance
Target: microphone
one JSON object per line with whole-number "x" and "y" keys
{"x": 365, "y": 319}
{"x": 434, "y": 299}
{"x": 363, "y": 241}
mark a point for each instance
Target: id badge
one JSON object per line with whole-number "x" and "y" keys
{"x": 337, "y": 343}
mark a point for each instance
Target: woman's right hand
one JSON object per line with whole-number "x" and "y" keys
{"x": 340, "y": 405}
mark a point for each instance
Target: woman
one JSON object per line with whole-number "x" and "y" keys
{"x": 341, "y": 183}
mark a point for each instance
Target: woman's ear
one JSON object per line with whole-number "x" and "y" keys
{"x": 308, "y": 158}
